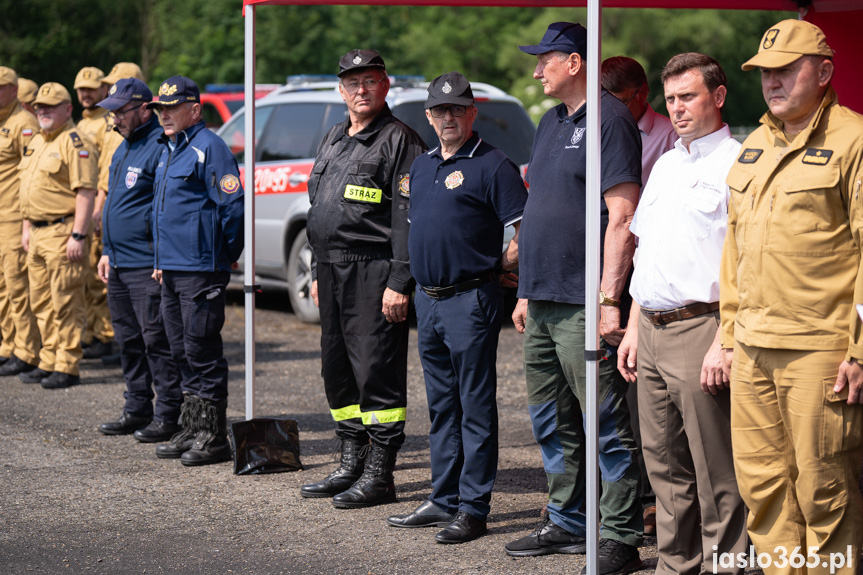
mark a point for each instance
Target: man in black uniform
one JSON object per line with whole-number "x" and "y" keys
{"x": 358, "y": 230}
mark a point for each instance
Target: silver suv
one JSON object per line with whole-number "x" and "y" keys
{"x": 290, "y": 123}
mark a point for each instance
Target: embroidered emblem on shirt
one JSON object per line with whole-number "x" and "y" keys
{"x": 131, "y": 178}
{"x": 454, "y": 180}
{"x": 76, "y": 139}
{"x": 83, "y": 154}
{"x": 817, "y": 156}
{"x": 405, "y": 185}
{"x": 5, "y": 132}
{"x": 357, "y": 59}
{"x": 770, "y": 38}
{"x": 750, "y": 156}
{"x": 446, "y": 88}
{"x": 229, "y": 184}
{"x": 27, "y": 132}
{"x": 577, "y": 135}
{"x": 28, "y": 152}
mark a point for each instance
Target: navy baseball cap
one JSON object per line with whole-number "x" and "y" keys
{"x": 449, "y": 88}
{"x": 176, "y": 90}
{"x": 125, "y": 91}
{"x": 561, "y": 37}
{"x": 356, "y": 59}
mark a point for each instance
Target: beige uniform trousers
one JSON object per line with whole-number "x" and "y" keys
{"x": 7, "y": 326}
{"x": 57, "y": 296}
{"x": 797, "y": 448}
{"x": 686, "y": 440}
{"x": 13, "y": 272}
{"x": 98, "y": 323}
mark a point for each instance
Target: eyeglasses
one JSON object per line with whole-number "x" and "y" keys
{"x": 122, "y": 113}
{"x": 354, "y": 87}
{"x": 440, "y": 111}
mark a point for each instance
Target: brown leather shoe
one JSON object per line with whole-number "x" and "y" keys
{"x": 650, "y": 521}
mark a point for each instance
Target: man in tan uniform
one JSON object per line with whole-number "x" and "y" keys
{"x": 20, "y": 332}
{"x": 790, "y": 279}
{"x": 98, "y": 125}
{"x": 59, "y": 175}
{"x": 27, "y": 93}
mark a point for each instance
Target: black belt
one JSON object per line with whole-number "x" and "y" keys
{"x": 60, "y": 220}
{"x": 663, "y": 317}
{"x": 449, "y": 291}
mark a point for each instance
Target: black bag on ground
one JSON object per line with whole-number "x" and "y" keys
{"x": 265, "y": 445}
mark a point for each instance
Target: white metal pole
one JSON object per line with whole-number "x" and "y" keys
{"x": 592, "y": 275}
{"x": 249, "y": 186}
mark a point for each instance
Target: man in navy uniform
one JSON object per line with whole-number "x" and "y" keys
{"x": 126, "y": 266}
{"x": 198, "y": 233}
{"x": 477, "y": 191}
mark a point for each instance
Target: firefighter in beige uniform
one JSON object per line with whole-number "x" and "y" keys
{"x": 98, "y": 125}
{"x": 791, "y": 276}
{"x": 20, "y": 333}
{"x": 58, "y": 185}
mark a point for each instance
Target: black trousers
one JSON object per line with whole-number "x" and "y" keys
{"x": 134, "y": 298}
{"x": 193, "y": 310}
{"x": 364, "y": 357}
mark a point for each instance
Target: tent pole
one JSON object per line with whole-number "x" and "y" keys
{"x": 249, "y": 186}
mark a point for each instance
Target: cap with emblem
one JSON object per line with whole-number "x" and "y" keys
{"x": 124, "y": 91}
{"x": 449, "y": 88}
{"x": 27, "y": 90}
{"x": 561, "y": 37}
{"x": 356, "y": 59}
{"x": 89, "y": 77}
{"x": 123, "y": 70}
{"x": 786, "y": 42}
{"x": 176, "y": 90}
{"x": 7, "y": 76}
{"x": 51, "y": 94}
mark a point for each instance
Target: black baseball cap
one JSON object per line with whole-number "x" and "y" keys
{"x": 450, "y": 88}
{"x": 356, "y": 59}
{"x": 124, "y": 91}
{"x": 561, "y": 37}
{"x": 176, "y": 90}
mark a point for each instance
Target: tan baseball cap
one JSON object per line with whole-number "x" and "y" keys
{"x": 123, "y": 70}
{"x": 89, "y": 77}
{"x": 785, "y": 42}
{"x": 51, "y": 94}
{"x": 27, "y": 90}
{"x": 7, "y": 76}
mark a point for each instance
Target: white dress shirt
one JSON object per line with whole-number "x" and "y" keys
{"x": 657, "y": 137}
{"x": 680, "y": 224}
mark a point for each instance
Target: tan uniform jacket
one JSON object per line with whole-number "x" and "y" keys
{"x": 109, "y": 146}
{"x": 17, "y": 128}
{"x": 54, "y": 167}
{"x": 98, "y": 125}
{"x": 791, "y": 264}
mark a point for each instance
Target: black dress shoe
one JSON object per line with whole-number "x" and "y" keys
{"x": 15, "y": 366}
{"x": 4, "y": 359}
{"x": 157, "y": 432}
{"x": 426, "y": 515}
{"x": 127, "y": 424}
{"x": 60, "y": 380}
{"x": 35, "y": 375}
{"x": 465, "y": 527}
{"x": 546, "y": 539}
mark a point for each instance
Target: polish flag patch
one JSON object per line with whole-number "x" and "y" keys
{"x": 83, "y": 154}
{"x": 27, "y": 132}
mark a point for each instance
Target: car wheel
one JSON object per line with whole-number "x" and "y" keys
{"x": 300, "y": 280}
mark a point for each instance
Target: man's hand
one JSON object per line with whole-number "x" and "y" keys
{"x": 314, "y": 293}
{"x": 157, "y": 275}
{"x": 727, "y": 358}
{"x": 519, "y": 316}
{"x": 851, "y": 374}
{"x": 395, "y": 306}
{"x": 75, "y": 249}
{"x": 713, "y": 378}
{"x": 25, "y": 235}
{"x": 609, "y": 325}
{"x": 627, "y": 355}
{"x": 509, "y": 280}
{"x": 97, "y": 222}
{"x": 102, "y": 268}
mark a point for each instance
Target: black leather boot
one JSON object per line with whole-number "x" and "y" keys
{"x": 375, "y": 486}
{"x": 211, "y": 443}
{"x": 182, "y": 441}
{"x": 350, "y": 469}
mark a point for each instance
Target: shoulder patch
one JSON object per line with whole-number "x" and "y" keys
{"x": 27, "y": 132}
{"x": 229, "y": 184}
{"x": 817, "y": 156}
{"x": 76, "y": 139}
{"x": 5, "y": 131}
{"x": 405, "y": 185}
{"x": 83, "y": 154}
{"x": 750, "y": 156}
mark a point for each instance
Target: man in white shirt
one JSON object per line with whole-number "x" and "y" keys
{"x": 672, "y": 340}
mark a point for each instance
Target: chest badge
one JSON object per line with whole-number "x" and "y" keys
{"x": 131, "y": 178}
{"x": 577, "y": 135}
{"x": 817, "y": 156}
{"x": 750, "y": 156}
{"x": 405, "y": 185}
{"x": 454, "y": 180}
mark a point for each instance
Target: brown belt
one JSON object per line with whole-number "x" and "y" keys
{"x": 662, "y": 317}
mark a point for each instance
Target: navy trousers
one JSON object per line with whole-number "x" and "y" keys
{"x": 134, "y": 298}
{"x": 193, "y": 310}
{"x": 457, "y": 339}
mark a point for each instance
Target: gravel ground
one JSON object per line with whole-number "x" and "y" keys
{"x": 76, "y": 501}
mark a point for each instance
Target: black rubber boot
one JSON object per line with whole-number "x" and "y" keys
{"x": 182, "y": 441}
{"x": 375, "y": 486}
{"x": 350, "y": 469}
{"x": 211, "y": 443}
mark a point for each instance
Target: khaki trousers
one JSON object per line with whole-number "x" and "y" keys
{"x": 98, "y": 323}
{"x": 57, "y": 296}
{"x": 13, "y": 273}
{"x": 797, "y": 448}
{"x": 7, "y": 327}
{"x": 686, "y": 437}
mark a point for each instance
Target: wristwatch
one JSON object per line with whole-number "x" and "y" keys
{"x": 605, "y": 300}
{"x": 78, "y": 237}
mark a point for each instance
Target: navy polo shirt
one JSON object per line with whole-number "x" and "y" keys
{"x": 458, "y": 210}
{"x": 552, "y": 235}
